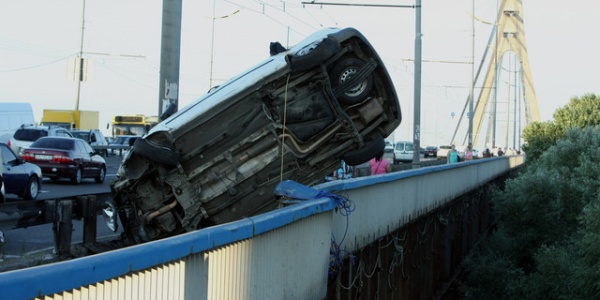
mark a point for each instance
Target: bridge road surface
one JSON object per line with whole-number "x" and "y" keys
{"x": 39, "y": 239}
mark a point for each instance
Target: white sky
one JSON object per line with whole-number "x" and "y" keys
{"x": 38, "y": 39}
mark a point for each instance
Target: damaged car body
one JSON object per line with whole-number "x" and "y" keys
{"x": 294, "y": 116}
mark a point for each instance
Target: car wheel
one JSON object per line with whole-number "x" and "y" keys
{"x": 33, "y": 188}
{"x": 370, "y": 150}
{"x": 77, "y": 178}
{"x": 101, "y": 176}
{"x": 314, "y": 54}
{"x": 158, "y": 154}
{"x": 348, "y": 88}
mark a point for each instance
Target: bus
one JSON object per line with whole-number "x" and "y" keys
{"x": 133, "y": 124}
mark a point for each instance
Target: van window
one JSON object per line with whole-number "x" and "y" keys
{"x": 404, "y": 146}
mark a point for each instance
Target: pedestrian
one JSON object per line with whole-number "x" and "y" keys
{"x": 487, "y": 153}
{"x": 379, "y": 165}
{"x": 345, "y": 171}
{"x": 452, "y": 155}
{"x": 500, "y": 152}
{"x": 468, "y": 153}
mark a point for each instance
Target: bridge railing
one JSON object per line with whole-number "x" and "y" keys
{"x": 283, "y": 254}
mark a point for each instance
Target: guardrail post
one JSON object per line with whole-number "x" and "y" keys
{"x": 89, "y": 218}
{"x": 63, "y": 227}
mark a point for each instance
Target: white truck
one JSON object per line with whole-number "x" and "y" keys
{"x": 12, "y": 116}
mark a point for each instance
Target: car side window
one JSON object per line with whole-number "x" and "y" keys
{"x": 7, "y": 156}
{"x": 85, "y": 147}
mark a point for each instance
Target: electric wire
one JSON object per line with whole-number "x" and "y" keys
{"x": 36, "y": 66}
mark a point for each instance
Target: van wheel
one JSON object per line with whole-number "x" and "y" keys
{"x": 351, "y": 82}
{"x": 370, "y": 150}
{"x": 314, "y": 54}
{"x": 159, "y": 154}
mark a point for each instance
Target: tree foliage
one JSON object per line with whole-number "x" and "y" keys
{"x": 580, "y": 112}
{"x": 547, "y": 241}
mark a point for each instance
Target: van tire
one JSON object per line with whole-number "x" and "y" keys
{"x": 159, "y": 154}
{"x": 350, "y": 82}
{"x": 362, "y": 155}
{"x": 308, "y": 58}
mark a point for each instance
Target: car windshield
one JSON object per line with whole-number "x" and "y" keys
{"x": 445, "y": 147}
{"x": 29, "y": 134}
{"x": 62, "y": 144}
{"x": 81, "y": 135}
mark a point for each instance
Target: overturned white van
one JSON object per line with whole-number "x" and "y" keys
{"x": 293, "y": 116}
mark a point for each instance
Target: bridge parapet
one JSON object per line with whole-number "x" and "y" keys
{"x": 252, "y": 258}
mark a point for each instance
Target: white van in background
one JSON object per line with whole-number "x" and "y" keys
{"x": 403, "y": 152}
{"x": 12, "y": 116}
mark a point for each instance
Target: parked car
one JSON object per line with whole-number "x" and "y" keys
{"x": 27, "y": 134}
{"x": 19, "y": 177}
{"x": 127, "y": 140}
{"x": 94, "y": 137}
{"x": 123, "y": 140}
{"x": 442, "y": 152}
{"x": 389, "y": 147}
{"x": 403, "y": 152}
{"x": 61, "y": 157}
{"x": 430, "y": 151}
{"x": 294, "y": 116}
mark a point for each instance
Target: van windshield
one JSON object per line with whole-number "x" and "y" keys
{"x": 404, "y": 146}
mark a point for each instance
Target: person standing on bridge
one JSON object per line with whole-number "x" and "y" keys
{"x": 452, "y": 156}
{"x": 468, "y": 153}
{"x": 379, "y": 165}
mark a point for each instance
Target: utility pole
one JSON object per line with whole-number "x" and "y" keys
{"x": 417, "y": 83}
{"x": 79, "y": 61}
{"x": 472, "y": 88}
{"x": 168, "y": 94}
{"x": 417, "y": 89}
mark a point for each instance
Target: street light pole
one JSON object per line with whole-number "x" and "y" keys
{"x": 79, "y": 62}
{"x": 417, "y": 89}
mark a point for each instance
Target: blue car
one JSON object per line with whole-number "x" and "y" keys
{"x": 20, "y": 178}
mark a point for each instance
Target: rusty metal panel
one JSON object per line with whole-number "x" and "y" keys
{"x": 419, "y": 260}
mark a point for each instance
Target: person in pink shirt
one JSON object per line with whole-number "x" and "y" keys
{"x": 379, "y": 165}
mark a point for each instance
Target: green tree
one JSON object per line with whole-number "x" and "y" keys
{"x": 580, "y": 112}
{"x": 547, "y": 241}
{"x": 538, "y": 137}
